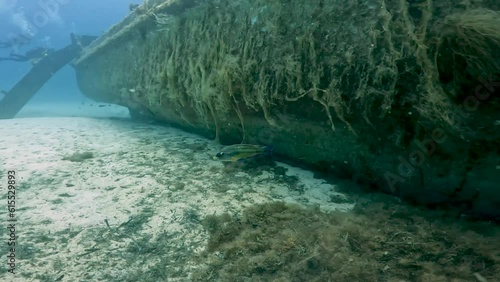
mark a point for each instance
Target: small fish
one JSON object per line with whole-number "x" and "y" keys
{"x": 240, "y": 152}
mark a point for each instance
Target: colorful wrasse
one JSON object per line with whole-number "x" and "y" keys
{"x": 240, "y": 152}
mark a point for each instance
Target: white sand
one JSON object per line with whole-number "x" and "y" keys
{"x": 161, "y": 179}
{"x": 81, "y": 108}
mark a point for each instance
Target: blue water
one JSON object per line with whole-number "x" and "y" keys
{"x": 49, "y": 23}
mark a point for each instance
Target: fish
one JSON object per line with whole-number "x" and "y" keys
{"x": 241, "y": 152}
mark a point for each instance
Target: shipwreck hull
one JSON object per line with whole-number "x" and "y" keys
{"x": 362, "y": 90}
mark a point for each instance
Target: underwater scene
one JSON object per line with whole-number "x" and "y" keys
{"x": 236, "y": 140}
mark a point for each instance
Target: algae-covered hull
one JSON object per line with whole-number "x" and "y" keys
{"x": 400, "y": 96}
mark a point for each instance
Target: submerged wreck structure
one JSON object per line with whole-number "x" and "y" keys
{"x": 402, "y": 96}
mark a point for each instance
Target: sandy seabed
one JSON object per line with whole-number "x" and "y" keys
{"x": 94, "y": 196}
{"x": 102, "y": 198}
